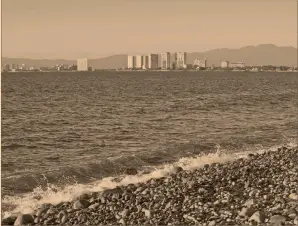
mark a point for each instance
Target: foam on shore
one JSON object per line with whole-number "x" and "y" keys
{"x": 54, "y": 195}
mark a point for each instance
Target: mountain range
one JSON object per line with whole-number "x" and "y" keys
{"x": 264, "y": 54}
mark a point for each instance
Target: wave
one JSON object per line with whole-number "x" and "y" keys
{"x": 54, "y": 194}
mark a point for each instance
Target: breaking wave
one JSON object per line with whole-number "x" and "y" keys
{"x": 54, "y": 194}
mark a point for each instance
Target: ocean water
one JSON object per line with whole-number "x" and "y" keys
{"x": 67, "y": 133}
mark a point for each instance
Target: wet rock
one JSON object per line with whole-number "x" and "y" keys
{"x": 49, "y": 221}
{"x": 41, "y": 211}
{"x": 24, "y": 219}
{"x": 52, "y": 211}
{"x": 81, "y": 204}
{"x": 258, "y": 217}
{"x": 131, "y": 171}
{"x": 84, "y": 197}
{"x": 9, "y": 221}
{"x": 177, "y": 169}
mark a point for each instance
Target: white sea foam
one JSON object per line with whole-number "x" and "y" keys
{"x": 28, "y": 202}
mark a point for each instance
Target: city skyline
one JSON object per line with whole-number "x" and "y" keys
{"x": 34, "y": 30}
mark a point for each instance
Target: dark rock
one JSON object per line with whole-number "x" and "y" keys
{"x": 24, "y": 219}
{"x": 177, "y": 169}
{"x": 81, "y": 204}
{"x": 84, "y": 197}
{"x": 9, "y": 221}
{"x": 131, "y": 171}
{"x": 49, "y": 221}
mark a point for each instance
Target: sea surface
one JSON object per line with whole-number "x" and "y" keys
{"x": 61, "y": 131}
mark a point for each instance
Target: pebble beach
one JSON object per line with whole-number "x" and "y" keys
{"x": 260, "y": 189}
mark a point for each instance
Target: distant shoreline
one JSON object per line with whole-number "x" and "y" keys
{"x": 132, "y": 71}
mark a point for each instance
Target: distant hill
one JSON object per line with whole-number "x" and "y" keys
{"x": 265, "y": 54}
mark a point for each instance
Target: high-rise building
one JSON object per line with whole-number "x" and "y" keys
{"x": 130, "y": 62}
{"x": 200, "y": 63}
{"x": 153, "y": 61}
{"x": 139, "y": 62}
{"x": 134, "y": 60}
{"x": 180, "y": 60}
{"x": 145, "y": 62}
{"x": 225, "y": 64}
{"x": 82, "y": 65}
{"x": 165, "y": 60}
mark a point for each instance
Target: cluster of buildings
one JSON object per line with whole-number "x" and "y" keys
{"x": 82, "y": 65}
{"x": 151, "y": 61}
{"x": 17, "y": 67}
{"x": 164, "y": 61}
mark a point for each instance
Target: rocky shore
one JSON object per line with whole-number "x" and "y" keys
{"x": 261, "y": 189}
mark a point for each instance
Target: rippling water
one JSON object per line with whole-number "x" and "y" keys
{"x": 62, "y": 128}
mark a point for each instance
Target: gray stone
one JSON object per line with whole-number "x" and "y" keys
{"x": 212, "y": 223}
{"x": 124, "y": 213}
{"x": 94, "y": 206}
{"x": 37, "y": 220}
{"x": 81, "y": 204}
{"x": 147, "y": 213}
{"x": 250, "y": 202}
{"x": 64, "y": 219}
{"x": 122, "y": 221}
{"x": 277, "y": 219}
{"x": 258, "y": 217}
{"x": 61, "y": 214}
{"x": 52, "y": 211}
{"x": 49, "y": 221}
{"x": 246, "y": 212}
{"x": 24, "y": 219}
{"x": 41, "y": 211}
{"x": 296, "y": 221}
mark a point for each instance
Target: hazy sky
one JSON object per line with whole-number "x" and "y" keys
{"x": 95, "y": 28}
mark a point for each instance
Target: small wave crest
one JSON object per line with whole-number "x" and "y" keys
{"x": 27, "y": 203}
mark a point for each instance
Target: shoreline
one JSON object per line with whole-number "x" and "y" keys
{"x": 262, "y": 187}
{"x": 115, "y": 70}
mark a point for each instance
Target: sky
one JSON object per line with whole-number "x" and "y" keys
{"x": 70, "y": 29}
